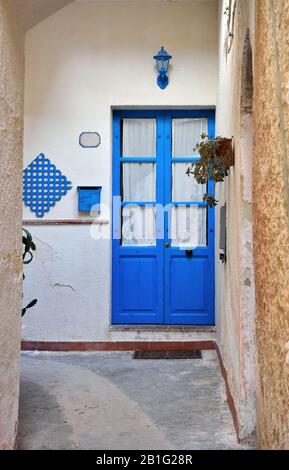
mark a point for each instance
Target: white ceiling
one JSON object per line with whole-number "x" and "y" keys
{"x": 167, "y": 1}
{"x": 32, "y": 12}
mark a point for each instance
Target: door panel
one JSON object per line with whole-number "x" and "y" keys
{"x": 138, "y": 284}
{"x": 137, "y": 266}
{"x": 163, "y": 257}
{"x": 185, "y": 297}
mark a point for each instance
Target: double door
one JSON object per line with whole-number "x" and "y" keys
{"x": 163, "y": 232}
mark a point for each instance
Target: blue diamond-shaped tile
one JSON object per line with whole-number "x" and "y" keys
{"x": 43, "y": 185}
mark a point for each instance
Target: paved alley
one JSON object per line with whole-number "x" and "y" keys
{"x": 111, "y": 401}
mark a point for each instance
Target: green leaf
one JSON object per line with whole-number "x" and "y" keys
{"x": 29, "y": 260}
{"x": 210, "y": 200}
{"x": 28, "y": 236}
{"x": 32, "y": 304}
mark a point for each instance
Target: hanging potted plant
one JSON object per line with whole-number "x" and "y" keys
{"x": 217, "y": 156}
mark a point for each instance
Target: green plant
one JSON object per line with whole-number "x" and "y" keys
{"x": 227, "y": 11}
{"x": 213, "y": 165}
{"x": 28, "y": 248}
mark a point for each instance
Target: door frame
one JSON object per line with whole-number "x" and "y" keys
{"x": 118, "y": 114}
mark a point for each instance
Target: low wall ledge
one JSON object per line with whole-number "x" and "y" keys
{"x": 66, "y": 222}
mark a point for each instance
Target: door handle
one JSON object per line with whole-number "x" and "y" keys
{"x": 189, "y": 253}
{"x": 167, "y": 245}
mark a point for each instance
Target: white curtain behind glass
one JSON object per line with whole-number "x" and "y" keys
{"x": 138, "y": 226}
{"x": 139, "y": 182}
{"x": 186, "y": 134}
{"x": 189, "y": 226}
{"x": 185, "y": 188}
{"x": 139, "y": 138}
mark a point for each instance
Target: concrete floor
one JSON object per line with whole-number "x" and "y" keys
{"x": 113, "y": 402}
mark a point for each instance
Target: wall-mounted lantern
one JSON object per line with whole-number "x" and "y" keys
{"x": 163, "y": 62}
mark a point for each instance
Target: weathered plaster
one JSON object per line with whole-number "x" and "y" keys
{"x": 235, "y": 279}
{"x": 271, "y": 221}
{"x": 11, "y": 124}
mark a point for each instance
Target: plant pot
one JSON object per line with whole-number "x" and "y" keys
{"x": 226, "y": 152}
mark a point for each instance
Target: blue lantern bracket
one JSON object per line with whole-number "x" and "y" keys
{"x": 163, "y": 59}
{"x": 89, "y": 198}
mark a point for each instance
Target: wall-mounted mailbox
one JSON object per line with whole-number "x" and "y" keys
{"x": 89, "y": 198}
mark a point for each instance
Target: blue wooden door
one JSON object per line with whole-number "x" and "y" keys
{"x": 163, "y": 232}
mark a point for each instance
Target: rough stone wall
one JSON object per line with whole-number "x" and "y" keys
{"x": 11, "y": 124}
{"x": 235, "y": 294}
{"x": 271, "y": 220}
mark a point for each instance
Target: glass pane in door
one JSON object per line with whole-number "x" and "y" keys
{"x": 139, "y": 182}
{"x": 186, "y": 134}
{"x": 139, "y": 138}
{"x": 185, "y": 188}
{"x": 138, "y": 226}
{"x": 188, "y": 226}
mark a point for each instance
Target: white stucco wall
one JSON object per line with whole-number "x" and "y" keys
{"x": 235, "y": 289}
{"x": 80, "y": 63}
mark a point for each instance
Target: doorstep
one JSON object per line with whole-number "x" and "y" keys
{"x": 166, "y": 328}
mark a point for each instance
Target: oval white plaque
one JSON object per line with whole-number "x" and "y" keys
{"x": 89, "y": 140}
